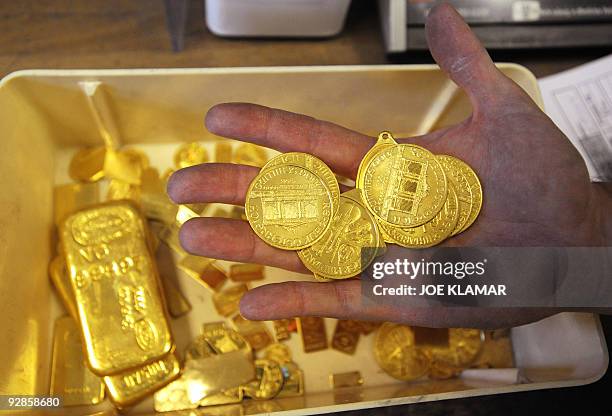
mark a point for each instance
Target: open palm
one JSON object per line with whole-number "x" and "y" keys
{"x": 536, "y": 187}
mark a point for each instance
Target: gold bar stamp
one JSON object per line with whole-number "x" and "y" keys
{"x": 70, "y": 377}
{"x": 312, "y": 331}
{"x": 346, "y": 336}
{"x": 116, "y": 288}
{"x": 130, "y": 387}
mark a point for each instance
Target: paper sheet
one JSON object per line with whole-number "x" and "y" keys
{"x": 579, "y": 101}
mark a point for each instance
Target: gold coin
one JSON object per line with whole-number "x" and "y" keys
{"x": 87, "y": 165}
{"x": 314, "y": 165}
{"x": 458, "y": 179}
{"x": 190, "y": 154}
{"x": 289, "y": 207}
{"x": 396, "y": 353}
{"x": 348, "y": 247}
{"x": 321, "y": 279}
{"x": 385, "y": 140}
{"x": 404, "y": 185}
{"x": 475, "y": 187}
{"x": 268, "y": 383}
{"x": 464, "y": 345}
{"x": 432, "y": 232}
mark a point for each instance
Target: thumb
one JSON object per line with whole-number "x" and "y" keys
{"x": 461, "y": 55}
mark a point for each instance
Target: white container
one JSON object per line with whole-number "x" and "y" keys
{"x": 271, "y": 18}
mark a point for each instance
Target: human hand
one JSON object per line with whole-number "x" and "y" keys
{"x": 535, "y": 184}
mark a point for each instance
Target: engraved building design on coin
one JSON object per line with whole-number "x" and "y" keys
{"x": 406, "y": 187}
{"x": 289, "y": 205}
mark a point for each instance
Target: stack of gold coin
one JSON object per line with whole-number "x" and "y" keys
{"x": 418, "y": 199}
{"x": 409, "y": 353}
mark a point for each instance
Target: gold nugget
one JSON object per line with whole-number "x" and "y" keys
{"x": 116, "y": 288}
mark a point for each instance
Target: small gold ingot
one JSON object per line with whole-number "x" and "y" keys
{"x": 70, "y": 377}
{"x": 63, "y": 286}
{"x": 283, "y": 328}
{"x": 223, "y": 152}
{"x": 346, "y": 336}
{"x": 348, "y": 379}
{"x": 204, "y": 271}
{"x": 226, "y": 301}
{"x": 69, "y": 198}
{"x": 87, "y": 165}
{"x": 312, "y": 331}
{"x": 132, "y": 386}
{"x": 190, "y": 154}
{"x": 223, "y": 339}
{"x": 246, "y": 272}
{"x": 250, "y": 154}
{"x": 255, "y": 332}
{"x": 116, "y": 288}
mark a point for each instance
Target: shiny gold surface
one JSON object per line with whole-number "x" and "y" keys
{"x": 203, "y": 271}
{"x": 349, "y": 245}
{"x": 63, "y": 286}
{"x": 223, "y": 152}
{"x": 250, "y": 154}
{"x": 312, "y": 331}
{"x": 346, "y": 336}
{"x": 69, "y": 198}
{"x": 463, "y": 347}
{"x": 190, "y": 154}
{"x": 116, "y": 288}
{"x": 246, "y": 272}
{"x": 343, "y": 380}
{"x": 70, "y": 377}
{"x": 87, "y": 165}
{"x": 268, "y": 383}
{"x": 132, "y": 386}
{"x": 396, "y": 353}
{"x": 459, "y": 181}
{"x": 289, "y": 207}
{"x": 254, "y": 332}
{"x": 226, "y": 301}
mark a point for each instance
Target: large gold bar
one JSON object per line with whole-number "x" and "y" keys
{"x": 116, "y": 288}
{"x": 128, "y": 388}
{"x": 70, "y": 377}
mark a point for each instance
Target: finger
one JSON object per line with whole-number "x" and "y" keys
{"x": 338, "y": 147}
{"x": 345, "y": 300}
{"x": 211, "y": 182}
{"x": 233, "y": 240}
{"x": 461, "y": 55}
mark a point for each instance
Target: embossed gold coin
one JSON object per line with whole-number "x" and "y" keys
{"x": 475, "y": 187}
{"x": 430, "y": 233}
{"x": 404, "y": 185}
{"x": 349, "y": 245}
{"x": 464, "y": 345}
{"x": 313, "y": 164}
{"x": 289, "y": 207}
{"x": 458, "y": 179}
{"x": 396, "y": 353}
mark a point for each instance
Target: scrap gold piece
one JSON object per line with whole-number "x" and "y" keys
{"x": 246, "y": 272}
{"x": 350, "y": 244}
{"x": 396, "y": 353}
{"x": 190, "y": 154}
{"x": 87, "y": 165}
{"x": 346, "y": 336}
{"x": 116, "y": 288}
{"x": 496, "y": 351}
{"x": 223, "y": 339}
{"x": 402, "y": 185}
{"x": 431, "y": 233}
{"x": 293, "y": 380}
{"x": 289, "y": 207}
{"x": 70, "y": 377}
{"x": 184, "y": 213}
{"x": 176, "y": 395}
{"x": 226, "y": 301}
{"x": 348, "y": 379}
{"x": 458, "y": 179}
{"x": 203, "y": 270}
{"x": 132, "y": 386}
{"x": 312, "y": 331}
{"x": 199, "y": 348}
{"x": 227, "y": 396}
{"x": 223, "y": 152}
{"x": 63, "y": 286}
{"x": 254, "y": 332}
{"x": 250, "y": 154}
{"x": 277, "y": 352}
{"x": 283, "y": 328}
{"x": 439, "y": 371}
{"x": 118, "y": 189}
{"x": 268, "y": 383}
{"x": 313, "y": 164}
{"x": 177, "y": 304}
{"x": 69, "y": 198}
{"x": 461, "y": 350}
{"x": 124, "y": 165}
{"x": 136, "y": 156}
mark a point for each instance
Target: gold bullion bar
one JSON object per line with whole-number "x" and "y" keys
{"x": 227, "y": 301}
{"x": 69, "y": 198}
{"x": 348, "y": 379}
{"x": 63, "y": 286}
{"x": 223, "y": 152}
{"x": 312, "y": 331}
{"x": 346, "y": 336}
{"x": 255, "y": 332}
{"x": 283, "y": 328}
{"x": 132, "y": 386}
{"x": 70, "y": 377}
{"x": 246, "y": 272}
{"x": 116, "y": 288}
